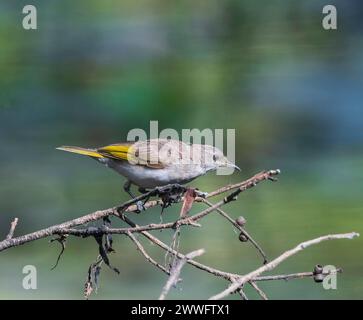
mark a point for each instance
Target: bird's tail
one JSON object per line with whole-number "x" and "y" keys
{"x": 86, "y": 152}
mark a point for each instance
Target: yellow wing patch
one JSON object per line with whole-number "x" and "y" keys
{"x": 143, "y": 153}
{"x": 116, "y": 151}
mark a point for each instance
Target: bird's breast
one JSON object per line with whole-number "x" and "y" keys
{"x": 150, "y": 178}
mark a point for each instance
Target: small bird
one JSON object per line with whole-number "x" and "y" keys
{"x": 157, "y": 162}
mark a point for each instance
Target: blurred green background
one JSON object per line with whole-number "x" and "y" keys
{"x": 93, "y": 70}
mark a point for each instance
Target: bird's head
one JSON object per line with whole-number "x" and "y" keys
{"x": 213, "y": 158}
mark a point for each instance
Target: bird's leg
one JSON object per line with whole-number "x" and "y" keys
{"x": 139, "y": 204}
{"x": 127, "y": 187}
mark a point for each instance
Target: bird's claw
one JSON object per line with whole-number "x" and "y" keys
{"x": 201, "y": 194}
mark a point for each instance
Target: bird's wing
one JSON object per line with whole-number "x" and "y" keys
{"x": 154, "y": 153}
{"x": 117, "y": 151}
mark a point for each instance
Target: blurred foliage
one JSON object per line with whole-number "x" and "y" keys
{"x": 93, "y": 70}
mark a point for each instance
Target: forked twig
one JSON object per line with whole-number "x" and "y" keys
{"x": 175, "y": 271}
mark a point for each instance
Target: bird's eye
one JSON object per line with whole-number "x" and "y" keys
{"x": 214, "y": 157}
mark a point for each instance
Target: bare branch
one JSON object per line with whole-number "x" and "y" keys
{"x": 274, "y": 263}
{"x": 264, "y": 175}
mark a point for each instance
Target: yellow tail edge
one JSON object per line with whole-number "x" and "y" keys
{"x": 83, "y": 151}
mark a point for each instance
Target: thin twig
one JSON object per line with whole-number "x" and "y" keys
{"x": 62, "y": 241}
{"x": 299, "y": 275}
{"x": 175, "y": 271}
{"x": 12, "y": 229}
{"x": 259, "y": 291}
{"x": 251, "y": 182}
{"x": 242, "y": 294}
{"x": 254, "y": 243}
{"x": 146, "y": 255}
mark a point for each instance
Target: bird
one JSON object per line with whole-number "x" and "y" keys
{"x": 153, "y": 163}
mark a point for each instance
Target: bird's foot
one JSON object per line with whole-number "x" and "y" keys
{"x": 171, "y": 193}
{"x": 201, "y": 193}
{"x": 140, "y": 206}
{"x": 171, "y": 190}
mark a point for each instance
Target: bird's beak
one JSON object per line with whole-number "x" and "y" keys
{"x": 232, "y": 165}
